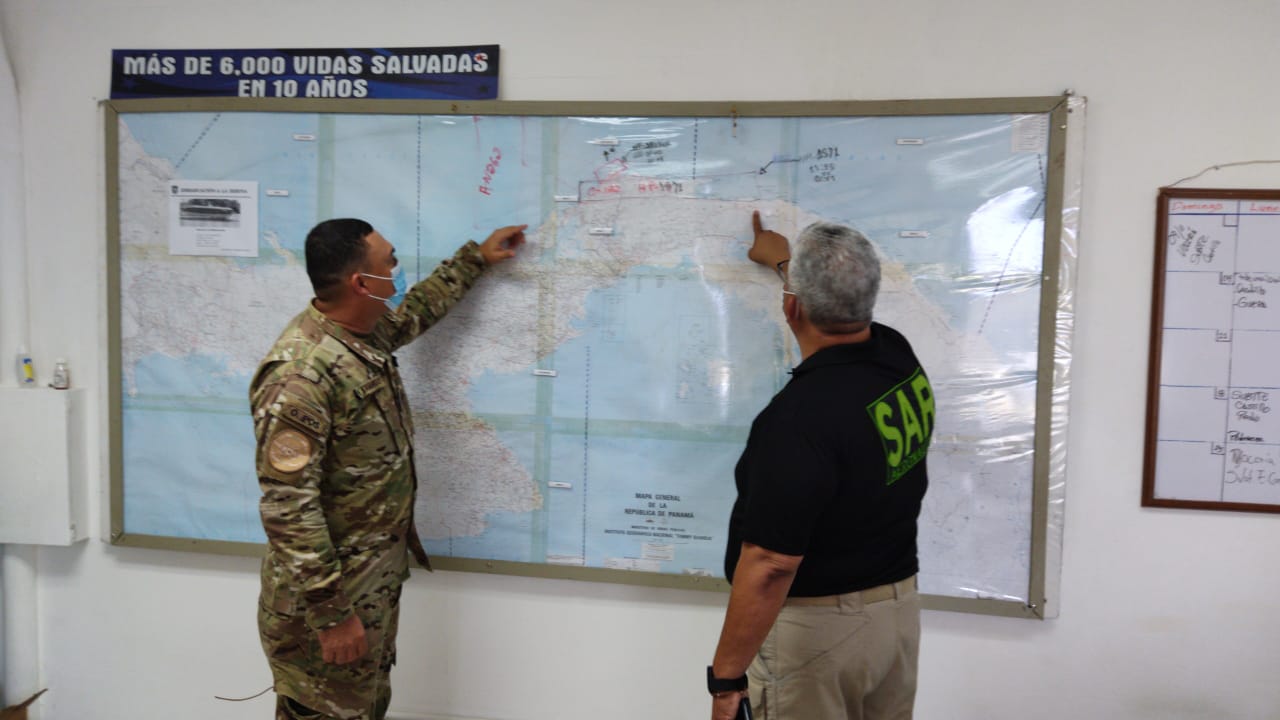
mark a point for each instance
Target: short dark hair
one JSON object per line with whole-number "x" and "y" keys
{"x": 335, "y": 249}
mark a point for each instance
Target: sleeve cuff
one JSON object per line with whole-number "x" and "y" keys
{"x": 327, "y": 614}
{"x": 470, "y": 252}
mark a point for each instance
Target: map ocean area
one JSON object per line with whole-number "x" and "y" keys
{"x": 585, "y": 403}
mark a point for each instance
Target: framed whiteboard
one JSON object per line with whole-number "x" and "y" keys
{"x": 590, "y": 431}
{"x": 1213, "y": 402}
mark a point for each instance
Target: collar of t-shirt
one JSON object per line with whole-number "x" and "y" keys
{"x": 840, "y": 354}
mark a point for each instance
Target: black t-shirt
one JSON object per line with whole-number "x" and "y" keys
{"x": 834, "y": 467}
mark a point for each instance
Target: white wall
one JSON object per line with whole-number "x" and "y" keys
{"x": 1165, "y": 614}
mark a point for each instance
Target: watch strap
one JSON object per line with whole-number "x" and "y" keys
{"x": 717, "y": 685}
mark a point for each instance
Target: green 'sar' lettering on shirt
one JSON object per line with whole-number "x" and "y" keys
{"x": 904, "y": 418}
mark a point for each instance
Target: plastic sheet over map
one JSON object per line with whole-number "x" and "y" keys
{"x": 585, "y": 404}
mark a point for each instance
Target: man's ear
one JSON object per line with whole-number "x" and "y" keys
{"x": 356, "y": 284}
{"x": 791, "y": 308}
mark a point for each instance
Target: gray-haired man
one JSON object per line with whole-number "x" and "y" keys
{"x": 824, "y": 616}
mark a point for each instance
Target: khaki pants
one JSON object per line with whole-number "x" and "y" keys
{"x": 848, "y": 656}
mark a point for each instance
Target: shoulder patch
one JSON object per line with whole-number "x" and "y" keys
{"x": 289, "y": 451}
{"x": 300, "y": 403}
{"x": 304, "y": 418}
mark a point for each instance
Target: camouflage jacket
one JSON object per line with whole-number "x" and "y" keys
{"x": 335, "y": 452}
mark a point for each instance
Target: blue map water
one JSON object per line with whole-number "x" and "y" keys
{"x": 188, "y": 452}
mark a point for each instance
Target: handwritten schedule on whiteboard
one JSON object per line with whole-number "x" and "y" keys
{"x": 1213, "y": 403}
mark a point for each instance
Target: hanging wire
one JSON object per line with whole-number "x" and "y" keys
{"x": 1225, "y": 165}
{"x": 264, "y": 692}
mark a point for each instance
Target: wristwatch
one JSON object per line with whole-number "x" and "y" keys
{"x": 778, "y": 269}
{"x": 716, "y": 685}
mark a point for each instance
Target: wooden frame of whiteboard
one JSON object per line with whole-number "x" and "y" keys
{"x": 1149, "y": 490}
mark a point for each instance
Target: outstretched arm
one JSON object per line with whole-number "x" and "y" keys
{"x": 429, "y": 300}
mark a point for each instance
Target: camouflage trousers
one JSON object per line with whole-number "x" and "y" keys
{"x": 288, "y": 709}
{"x": 308, "y": 688}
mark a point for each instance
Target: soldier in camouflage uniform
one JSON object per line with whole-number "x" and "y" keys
{"x": 335, "y": 463}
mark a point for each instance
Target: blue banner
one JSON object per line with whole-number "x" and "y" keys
{"x": 433, "y": 73}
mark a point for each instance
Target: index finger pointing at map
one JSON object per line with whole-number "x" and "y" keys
{"x": 755, "y": 222}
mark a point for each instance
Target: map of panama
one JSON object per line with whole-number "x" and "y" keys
{"x": 586, "y": 402}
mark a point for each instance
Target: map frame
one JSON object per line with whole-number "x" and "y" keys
{"x": 1065, "y": 126}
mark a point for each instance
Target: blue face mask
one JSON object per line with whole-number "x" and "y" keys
{"x": 398, "y": 282}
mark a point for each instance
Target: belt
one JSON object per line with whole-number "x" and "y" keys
{"x": 866, "y": 597}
